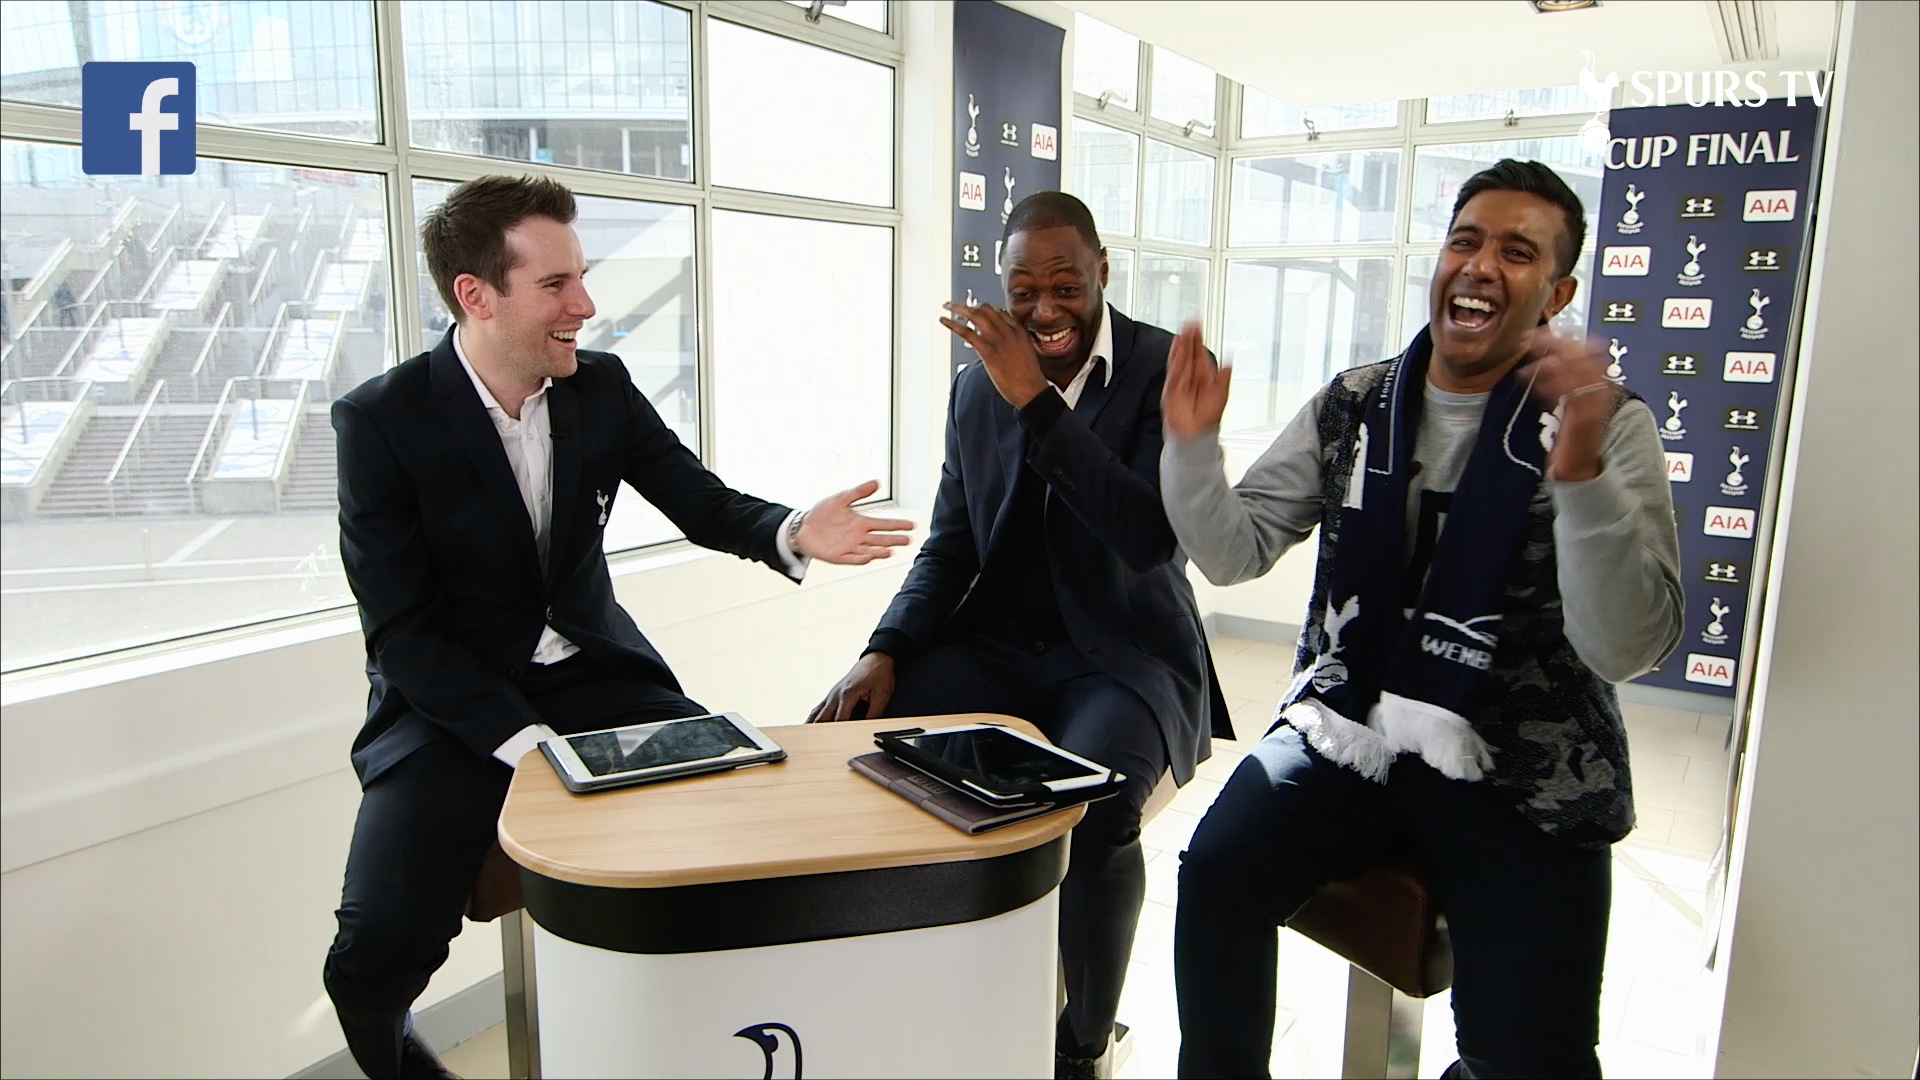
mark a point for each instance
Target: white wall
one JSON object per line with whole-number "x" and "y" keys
{"x": 1821, "y": 946}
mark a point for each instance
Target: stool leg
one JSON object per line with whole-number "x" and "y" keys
{"x": 523, "y": 1006}
{"x": 1383, "y": 1030}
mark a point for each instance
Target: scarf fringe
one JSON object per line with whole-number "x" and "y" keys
{"x": 1340, "y": 740}
{"x": 1443, "y": 738}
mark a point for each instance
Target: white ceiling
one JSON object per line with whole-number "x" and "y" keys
{"x": 1329, "y": 52}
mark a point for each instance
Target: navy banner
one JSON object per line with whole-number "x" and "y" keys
{"x": 1006, "y": 96}
{"x": 1703, "y": 225}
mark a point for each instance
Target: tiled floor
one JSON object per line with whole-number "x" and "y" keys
{"x": 1652, "y": 1007}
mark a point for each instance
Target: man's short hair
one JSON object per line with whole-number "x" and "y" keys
{"x": 467, "y": 234}
{"x": 1052, "y": 210}
{"x": 1534, "y": 179}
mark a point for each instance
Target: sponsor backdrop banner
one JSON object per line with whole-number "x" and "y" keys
{"x": 1703, "y": 226}
{"x": 1006, "y": 96}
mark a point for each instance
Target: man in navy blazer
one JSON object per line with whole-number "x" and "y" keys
{"x": 1050, "y": 586}
{"x": 476, "y": 482}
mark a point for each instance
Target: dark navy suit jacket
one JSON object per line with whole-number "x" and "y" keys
{"x": 1118, "y": 573}
{"x": 440, "y": 553}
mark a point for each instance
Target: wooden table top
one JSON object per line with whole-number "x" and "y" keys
{"x": 809, "y": 814}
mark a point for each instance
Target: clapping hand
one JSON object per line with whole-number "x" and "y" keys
{"x": 1195, "y": 395}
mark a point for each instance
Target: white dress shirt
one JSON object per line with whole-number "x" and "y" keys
{"x": 1102, "y": 350}
{"x": 528, "y": 442}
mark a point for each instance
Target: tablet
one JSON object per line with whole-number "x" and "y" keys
{"x": 995, "y": 763}
{"x": 638, "y": 753}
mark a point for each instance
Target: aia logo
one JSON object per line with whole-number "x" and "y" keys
{"x": 767, "y": 1038}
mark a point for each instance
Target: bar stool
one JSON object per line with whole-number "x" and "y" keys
{"x": 496, "y": 895}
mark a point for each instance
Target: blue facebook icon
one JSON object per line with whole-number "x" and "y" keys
{"x": 136, "y": 119}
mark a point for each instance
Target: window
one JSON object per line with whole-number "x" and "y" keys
{"x": 305, "y": 68}
{"x": 1545, "y": 101}
{"x": 172, "y": 345}
{"x": 1172, "y": 290}
{"x": 1293, "y": 324}
{"x": 765, "y": 375}
{"x": 871, "y": 14}
{"x": 1105, "y": 163}
{"x": 1106, "y": 63}
{"x": 1179, "y": 193}
{"x": 599, "y": 86}
{"x": 1343, "y": 197}
{"x": 1183, "y": 92}
{"x": 1119, "y": 291}
{"x": 1438, "y": 172}
{"x": 1263, "y": 115}
{"x": 799, "y": 144}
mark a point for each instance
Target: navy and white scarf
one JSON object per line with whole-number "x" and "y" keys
{"x": 1387, "y": 680}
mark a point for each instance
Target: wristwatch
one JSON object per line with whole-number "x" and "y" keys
{"x": 793, "y": 533}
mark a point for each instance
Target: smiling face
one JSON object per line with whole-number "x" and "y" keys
{"x": 1055, "y": 282}
{"x": 530, "y": 327}
{"x": 1498, "y": 278}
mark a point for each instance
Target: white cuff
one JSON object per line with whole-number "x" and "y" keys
{"x": 796, "y": 563}
{"x": 523, "y": 741}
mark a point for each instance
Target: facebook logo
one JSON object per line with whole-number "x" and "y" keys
{"x": 136, "y": 119}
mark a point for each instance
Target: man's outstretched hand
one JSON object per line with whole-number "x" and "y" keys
{"x": 1195, "y": 395}
{"x": 833, "y": 531}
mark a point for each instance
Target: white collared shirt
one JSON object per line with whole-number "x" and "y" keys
{"x": 1102, "y": 350}
{"x": 528, "y": 442}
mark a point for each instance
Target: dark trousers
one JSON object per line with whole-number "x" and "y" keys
{"x": 423, "y": 829}
{"x": 1085, "y": 711}
{"x": 1527, "y": 913}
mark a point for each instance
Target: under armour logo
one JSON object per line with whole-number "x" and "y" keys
{"x": 970, "y": 255}
{"x": 1620, "y": 311}
{"x": 1009, "y": 133}
{"x": 1680, "y": 365}
{"x": 1742, "y": 418}
{"x": 1762, "y": 258}
{"x": 1700, "y": 206}
{"x": 1722, "y": 571}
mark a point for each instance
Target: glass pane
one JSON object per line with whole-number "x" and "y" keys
{"x": 1179, "y": 195}
{"x": 595, "y": 85}
{"x": 1416, "y": 303}
{"x": 171, "y": 346}
{"x": 640, "y": 275}
{"x": 1494, "y": 105}
{"x": 307, "y": 68}
{"x": 1263, "y": 115}
{"x": 1120, "y": 279}
{"x": 1438, "y": 172}
{"x": 1182, "y": 91}
{"x": 765, "y": 375}
{"x": 1171, "y": 290}
{"x": 794, "y": 119}
{"x": 1105, "y": 60}
{"x": 1103, "y": 175}
{"x": 1293, "y": 324}
{"x": 871, "y": 14}
{"x": 1345, "y": 197}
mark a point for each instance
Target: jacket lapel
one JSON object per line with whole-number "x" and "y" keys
{"x": 563, "y": 410}
{"x": 460, "y": 408}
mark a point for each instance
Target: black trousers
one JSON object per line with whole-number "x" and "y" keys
{"x": 423, "y": 828}
{"x": 1087, "y": 712}
{"x": 1527, "y": 913}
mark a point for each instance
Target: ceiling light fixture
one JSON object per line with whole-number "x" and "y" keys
{"x": 1548, "y": 7}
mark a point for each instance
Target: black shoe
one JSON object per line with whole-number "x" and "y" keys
{"x": 417, "y": 1060}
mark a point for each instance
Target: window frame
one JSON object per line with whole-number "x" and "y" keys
{"x": 398, "y": 164}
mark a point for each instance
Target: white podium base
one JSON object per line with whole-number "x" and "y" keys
{"x": 973, "y": 999}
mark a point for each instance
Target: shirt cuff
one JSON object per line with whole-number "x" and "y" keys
{"x": 796, "y": 563}
{"x": 1040, "y": 414}
{"x": 523, "y": 741}
{"x": 894, "y": 643}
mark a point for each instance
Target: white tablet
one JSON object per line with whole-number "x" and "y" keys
{"x": 636, "y": 754}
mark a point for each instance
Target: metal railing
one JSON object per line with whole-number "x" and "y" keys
{"x": 111, "y": 483}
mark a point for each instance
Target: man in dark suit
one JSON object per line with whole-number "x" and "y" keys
{"x": 475, "y": 484}
{"x": 1050, "y": 586}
